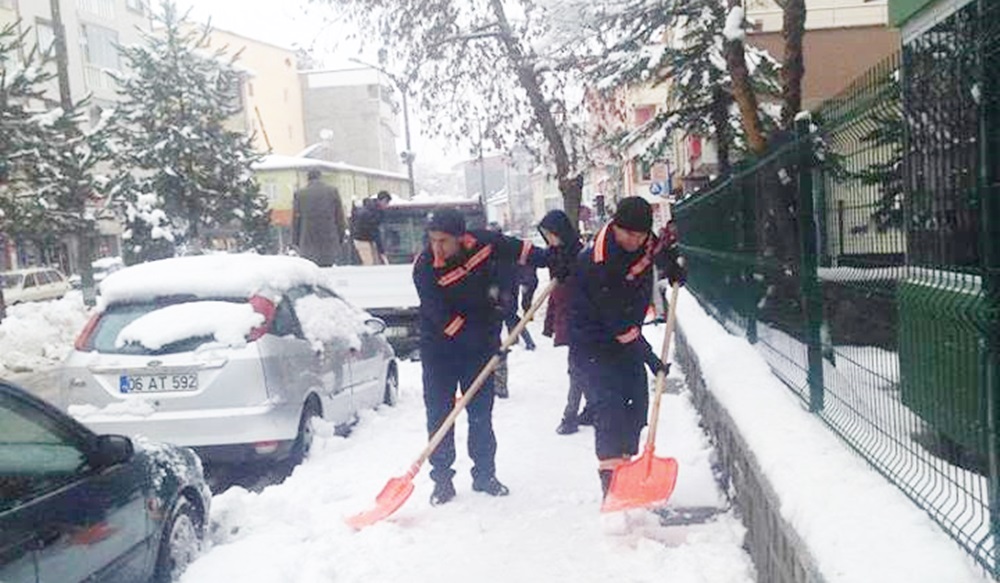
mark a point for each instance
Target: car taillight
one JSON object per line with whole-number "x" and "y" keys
{"x": 266, "y": 308}
{"x": 83, "y": 340}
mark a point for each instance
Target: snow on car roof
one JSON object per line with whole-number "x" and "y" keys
{"x": 210, "y": 276}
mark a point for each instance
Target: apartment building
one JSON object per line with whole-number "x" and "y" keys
{"x": 271, "y": 96}
{"x": 93, "y": 29}
{"x": 351, "y": 116}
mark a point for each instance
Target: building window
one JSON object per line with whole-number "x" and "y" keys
{"x": 643, "y": 170}
{"x": 135, "y": 6}
{"x": 44, "y": 35}
{"x": 102, "y": 8}
{"x": 643, "y": 114}
{"x": 100, "y": 46}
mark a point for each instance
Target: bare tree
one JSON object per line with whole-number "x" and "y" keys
{"x": 486, "y": 64}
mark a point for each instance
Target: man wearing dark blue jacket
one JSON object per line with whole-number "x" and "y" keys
{"x": 610, "y": 290}
{"x": 458, "y": 278}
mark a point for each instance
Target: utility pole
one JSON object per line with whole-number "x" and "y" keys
{"x": 402, "y": 86}
{"x": 84, "y": 234}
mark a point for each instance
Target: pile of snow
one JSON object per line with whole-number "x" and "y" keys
{"x": 330, "y": 321}
{"x": 548, "y": 529}
{"x": 127, "y": 408}
{"x": 854, "y": 523}
{"x": 210, "y": 276}
{"x": 37, "y": 335}
{"x": 228, "y": 323}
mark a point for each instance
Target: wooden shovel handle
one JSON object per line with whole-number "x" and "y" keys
{"x": 484, "y": 374}
{"x": 661, "y": 377}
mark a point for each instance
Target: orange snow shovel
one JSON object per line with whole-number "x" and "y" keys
{"x": 398, "y": 489}
{"x": 647, "y": 480}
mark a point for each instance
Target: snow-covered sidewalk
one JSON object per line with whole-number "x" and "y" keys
{"x": 548, "y": 529}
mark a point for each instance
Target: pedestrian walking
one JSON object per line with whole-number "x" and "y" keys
{"x": 318, "y": 222}
{"x": 458, "y": 282}
{"x": 564, "y": 244}
{"x": 366, "y": 229}
{"x": 610, "y": 289}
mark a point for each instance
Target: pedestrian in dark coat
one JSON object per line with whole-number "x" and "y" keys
{"x": 458, "y": 281}
{"x": 318, "y": 222}
{"x": 610, "y": 290}
{"x": 564, "y": 245}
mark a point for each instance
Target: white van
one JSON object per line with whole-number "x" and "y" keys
{"x": 33, "y": 284}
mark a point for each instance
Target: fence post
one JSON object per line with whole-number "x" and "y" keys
{"x": 812, "y": 301}
{"x": 988, "y": 185}
{"x": 747, "y": 247}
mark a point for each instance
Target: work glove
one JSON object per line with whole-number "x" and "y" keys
{"x": 655, "y": 365}
{"x": 677, "y": 271}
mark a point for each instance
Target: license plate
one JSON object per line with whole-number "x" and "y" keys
{"x": 397, "y": 331}
{"x": 177, "y": 382}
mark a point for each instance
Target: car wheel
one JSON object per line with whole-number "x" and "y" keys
{"x": 391, "y": 396}
{"x": 304, "y": 438}
{"x": 181, "y": 542}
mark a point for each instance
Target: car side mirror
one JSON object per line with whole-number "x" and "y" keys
{"x": 112, "y": 450}
{"x": 375, "y": 325}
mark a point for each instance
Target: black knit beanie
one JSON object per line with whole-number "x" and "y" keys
{"x": 634, "y": 214}
{"x": 447, "y": 220}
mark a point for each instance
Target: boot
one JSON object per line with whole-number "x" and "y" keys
{"x": 443, "y": 492}
{"x": 586, "y": 417}
{"x": 567, "y": 427}
{"x": 605, "y": 480}
{"x": 491, "y": 486}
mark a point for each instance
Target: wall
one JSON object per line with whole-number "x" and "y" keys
{"x": 828, "y": 72}
{"x": 356, "y": 106}
{"x": 272, "y": 93}
{"x": 902, "y": 10}
{"x": 766, "y": 15}
{"x": 776, "y": 549}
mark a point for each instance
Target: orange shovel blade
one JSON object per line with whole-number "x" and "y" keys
{"x": 641, "y": 483}
{"x": 394, "y": 495}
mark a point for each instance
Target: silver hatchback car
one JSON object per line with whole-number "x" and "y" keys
{"x": 232, "y": 355}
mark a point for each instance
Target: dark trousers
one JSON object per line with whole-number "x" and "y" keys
{"x": 577, "y": 380}
{"x": 618, "y": 396}
{"x": 443, "y": 373}
{"x": 511, "y": 320}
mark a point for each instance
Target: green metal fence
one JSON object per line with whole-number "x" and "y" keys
{"x": 861, "y": 256}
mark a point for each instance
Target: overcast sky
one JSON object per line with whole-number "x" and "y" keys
{"x": 296, "y": 23}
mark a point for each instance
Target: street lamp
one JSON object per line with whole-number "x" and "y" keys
{"x": 407, "y": 156}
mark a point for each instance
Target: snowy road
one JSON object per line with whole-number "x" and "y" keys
{"x": 549, "y": 529}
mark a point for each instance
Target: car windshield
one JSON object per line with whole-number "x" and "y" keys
{"x": 129, "y": 328}
{"x": 11, "y": 280}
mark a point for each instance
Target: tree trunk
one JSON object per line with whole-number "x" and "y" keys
{"x": 720, "y": 119}
{"x": 793, "y": 69}
{"x": 743, "y": 92}
{"x": 571, "y": 186}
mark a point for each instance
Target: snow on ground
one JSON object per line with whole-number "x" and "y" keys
{"x": 548, "y": 529}
{"x": 37, "y": 335}
{"x": 858, "y": 527}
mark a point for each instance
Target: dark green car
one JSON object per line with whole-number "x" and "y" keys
{"x": 76, "y": 506}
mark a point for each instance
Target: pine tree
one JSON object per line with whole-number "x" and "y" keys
{"x": 694, "y": 63}
{"x": 47, "y": 159}
{"x": 182, "y": 171}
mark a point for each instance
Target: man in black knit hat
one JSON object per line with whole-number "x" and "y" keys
{"x": 610, "y": 290}
{"x": 458, "y": 278}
